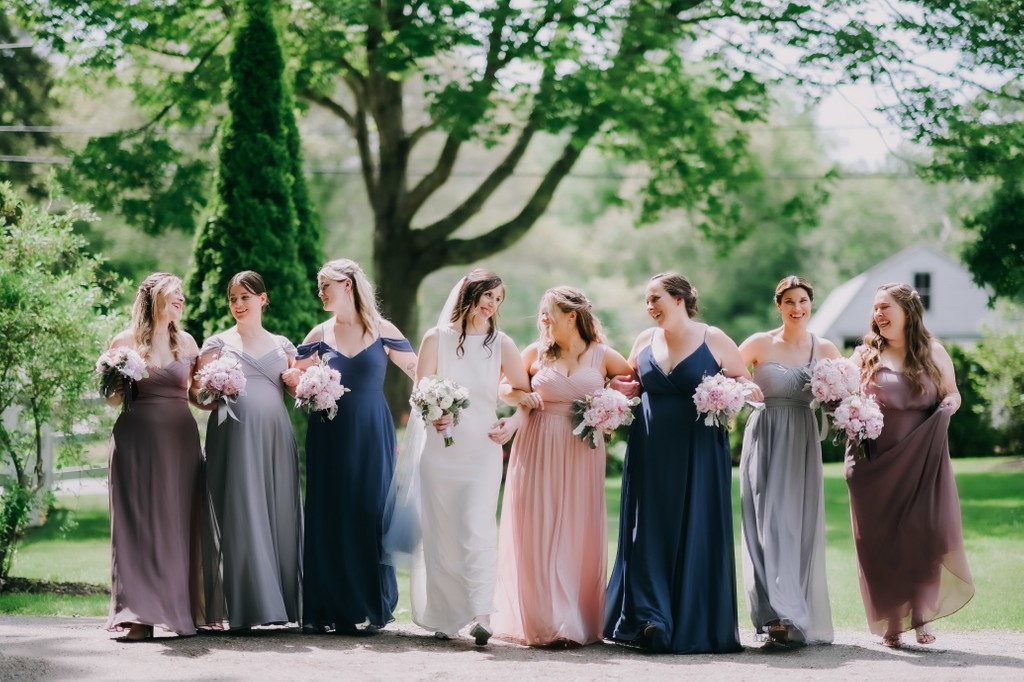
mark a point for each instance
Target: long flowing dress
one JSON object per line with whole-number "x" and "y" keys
{"x": 553, "y": 541}
{"x": 675, "y": 567}
{"x": 781, "y": 493}
{"x": 157, "y": 512}
{"x": 906, "y": 512}
{"x": 349, "y": 464}
{"x": 252, "y": 465}
{"x": 453, "y": 577}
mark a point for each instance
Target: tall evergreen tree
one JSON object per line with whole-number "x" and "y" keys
{"x": 262, "y": 195}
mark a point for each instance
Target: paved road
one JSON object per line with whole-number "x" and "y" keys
{"x": 38, "y": 648}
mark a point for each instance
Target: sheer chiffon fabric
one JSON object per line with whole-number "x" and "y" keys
{"x": 159, "y": 512}
{"x": 552, "y": 547}
{"x": 906, "y": 512}
{"x": 781, "y": 493}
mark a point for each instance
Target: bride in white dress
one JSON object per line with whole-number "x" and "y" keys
{"x": 454, "y": 574}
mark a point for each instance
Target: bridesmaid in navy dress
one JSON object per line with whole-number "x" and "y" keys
{"x": 349, "y": 459}
{"x": 673, "y": 587}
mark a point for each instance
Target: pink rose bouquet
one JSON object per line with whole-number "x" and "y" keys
{"x": 720, "y": 398}
{"x": 435, "y": 397}
{"x": 221, "y": 380}
{"x": 120, "y": 367}
{"x": 600, "y": 413}
{"x": 832, "y": 381}
{"x": 319, "y": 390}
{"x": 858, "y": 418}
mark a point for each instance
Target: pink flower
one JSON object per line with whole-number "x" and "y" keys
{"x": 834, "y": 380}
{"x": 319, "y": 390}
{"x": 600, "y": 413}
{"x": 720, "y": 398}
{"x": 222, "y": 379}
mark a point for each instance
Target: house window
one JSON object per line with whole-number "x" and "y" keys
{"x": 923, "y": 284}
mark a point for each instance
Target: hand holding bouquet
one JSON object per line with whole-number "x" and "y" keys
{"x": 859, "y": 418}
{"x": 319, "y": 389}
{"x": 600, "y": 413}
{"x": 720, "y": 398}
{"x": 434, "y": 398}
{"x": 221, "y": 379}
{"x": 119, "y": 367}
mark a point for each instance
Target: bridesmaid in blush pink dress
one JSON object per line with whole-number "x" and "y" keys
{"x": 553, "y": 541}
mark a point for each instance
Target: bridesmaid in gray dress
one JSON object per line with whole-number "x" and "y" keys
{"x": 253, "y": 468}
{"x": 781, "y": 480}
{"x": 156, "y": 488}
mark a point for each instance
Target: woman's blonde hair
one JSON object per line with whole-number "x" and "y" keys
{"x": 363, "y": 294}
{"x": 150, "y": 297}
{"x": 569, "y": 300}
{"x": 916, "y": 338}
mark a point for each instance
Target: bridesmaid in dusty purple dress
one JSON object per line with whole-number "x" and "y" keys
{"x": 156, "y": 489}
{"x": 903, "y": 498}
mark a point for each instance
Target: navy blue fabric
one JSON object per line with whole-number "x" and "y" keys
{"x": 349, "y": 464}
{"x": 675, "y": 566}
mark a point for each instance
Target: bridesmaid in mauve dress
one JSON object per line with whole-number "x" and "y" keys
{"x": 157, "y": 494}
{"x": 781, "y": 487}
{"x": 347, "y": 588}
{"x": 673, "y": 586}
{"x": 252, "y": 469}
{"x": 903, "y": 498}
{"x": 553, "y": 540}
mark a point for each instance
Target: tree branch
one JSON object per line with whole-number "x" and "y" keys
{"x": 357, "y": 124}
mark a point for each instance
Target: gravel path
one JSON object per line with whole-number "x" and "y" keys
{"x": 39, "y": 648}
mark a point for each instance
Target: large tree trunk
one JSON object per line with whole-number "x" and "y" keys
{"x": 397, "y": 281}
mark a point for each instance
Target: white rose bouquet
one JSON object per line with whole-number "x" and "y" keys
{"x": 434, "y": 397}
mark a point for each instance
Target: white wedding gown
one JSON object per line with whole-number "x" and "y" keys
{"x": 453, "y": 578}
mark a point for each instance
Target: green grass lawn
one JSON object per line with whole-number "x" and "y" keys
{"x": 74, "y": 547}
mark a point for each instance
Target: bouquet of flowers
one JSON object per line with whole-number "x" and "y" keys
{"x": 600, "y": 413}
{"x": 120, "y": 367}
{"x": 222, "y": 379}
{"x": 319, "y": 390}
{"x": 435, "y": 397}
{"x": 858, "y": 418}
{"x": 720, "y": 398}
{"x": 832, "y": 381}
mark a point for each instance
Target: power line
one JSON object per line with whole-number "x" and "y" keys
{"x": 323, "y": 170}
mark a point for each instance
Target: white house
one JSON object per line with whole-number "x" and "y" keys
{"x": 954, "y": 305}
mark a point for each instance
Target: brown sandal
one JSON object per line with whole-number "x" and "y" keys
{"x": 778, "y": 633}
{"x": 924, "y": 636}
{"x": 892, "y": 641}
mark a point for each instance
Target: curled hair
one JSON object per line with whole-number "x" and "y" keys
{"x": 151, "y": 297}
{"x": 916, "y": 338}
{"x": 363, "y": 294}
{"x": 792, "y": 282}
{"x": 569, "y": 300}
{"x": 678, "y": 287}
{"x": 476, "y": 284}
{"x": 252, "y": 282}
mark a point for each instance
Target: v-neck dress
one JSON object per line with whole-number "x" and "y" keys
{"x": 349, "y": 464}
{"x": 253, "y": 477}
{"x": 781, "y": 493}
{"x": 675, "y": 567}
{"x": 553, "y": 540}
{"x": 157, "y": 505}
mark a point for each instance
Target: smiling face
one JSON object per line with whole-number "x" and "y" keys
{"x": 557, "y": 324}
{"x": 488, "y": 303}
{"x": 170, "y": 303}
{"x": 333, "y": 292}
{"x": 795, "y": 306}
{"x": 244, "y": 304}
{"x": 888, "y": 317}
{"x": 661, "y": 306}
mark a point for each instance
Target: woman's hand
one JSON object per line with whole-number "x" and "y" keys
{"x": 531, "y": 401}
{"x": 443, "y": 424}
{"x": 624, "y": 384}
{"x": 754, "y": 391}
{"x": 951, "y": 401}
{"x": 291, "y": 377}
{"x": 502, "y": 430}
